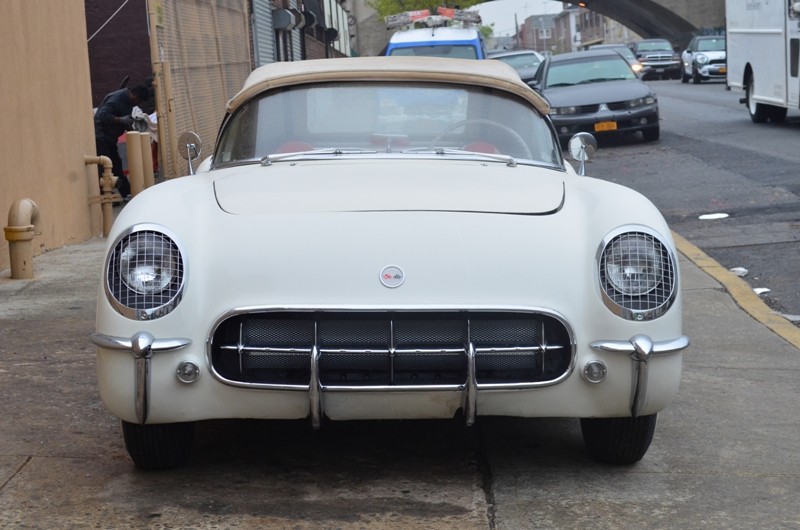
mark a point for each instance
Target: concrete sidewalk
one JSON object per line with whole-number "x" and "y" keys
{"x": 725, "y": 454}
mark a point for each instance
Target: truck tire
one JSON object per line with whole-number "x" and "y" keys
{"x": 759, "y": 112}
{"x": 777, "y": 114}
{"x": 618, "y": 441}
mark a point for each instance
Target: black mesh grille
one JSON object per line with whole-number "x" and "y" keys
{"x": 398, "y": 348}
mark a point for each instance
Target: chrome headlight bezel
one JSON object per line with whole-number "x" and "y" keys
{"x": 637, "y": 273}
{"x": 701, "y": 58}
{"x": 145, "y": 272}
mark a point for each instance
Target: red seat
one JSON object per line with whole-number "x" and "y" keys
{"x": 294, "y": 147}
{"x": 481, "y": 147}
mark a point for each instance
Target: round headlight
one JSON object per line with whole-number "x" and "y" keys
{"x": 145, "y": 273}
{"x": 701, "y": 58}
{"x": 633, "y": 264}
{"x": 637, "y": 274}
{"x": 149, "y": 263}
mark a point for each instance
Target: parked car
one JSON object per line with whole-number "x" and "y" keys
{"x": 660, "y": 56}
{"x": 596, "y": 91}
{"x": 704, "y": 59}
{"x": 526, "y": 62}
{"x": 638, "y": 68}
{"x": 388, "y": 238}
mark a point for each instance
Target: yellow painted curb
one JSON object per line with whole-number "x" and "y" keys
{"x": 741, "y": 292}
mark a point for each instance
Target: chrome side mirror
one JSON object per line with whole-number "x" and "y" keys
{"x": 190, "y": 147}
{"x": 581, "y": 147}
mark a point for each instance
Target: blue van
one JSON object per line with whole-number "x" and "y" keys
{"x": 459, "y": 43}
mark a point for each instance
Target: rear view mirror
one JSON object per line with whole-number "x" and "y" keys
{"x": 581, "y": 147}
{"x": 190, "y": 147}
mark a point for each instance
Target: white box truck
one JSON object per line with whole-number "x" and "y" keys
{"x": 764, "y": 55}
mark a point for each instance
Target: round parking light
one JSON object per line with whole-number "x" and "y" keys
{"x": 595, "y": 371}
{"x": 187, "y": 372}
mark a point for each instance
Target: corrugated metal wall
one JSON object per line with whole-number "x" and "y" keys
{"x": 201, "y": 60}
{"x": 263, "y": 34}
{"x": 296, "y": 36}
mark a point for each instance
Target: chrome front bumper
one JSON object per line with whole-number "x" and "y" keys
{"x": 640, "y": 348}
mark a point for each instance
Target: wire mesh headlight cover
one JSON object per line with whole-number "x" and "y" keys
{"x": 637, "y": 272}
{"x": 145, "y": 273}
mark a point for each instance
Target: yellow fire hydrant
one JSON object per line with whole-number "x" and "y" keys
{"x": 23, "y": 224}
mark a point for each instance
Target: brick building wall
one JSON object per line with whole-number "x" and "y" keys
{"x": 119, "y": 49}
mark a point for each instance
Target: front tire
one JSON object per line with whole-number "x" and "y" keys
{"x": 158, "y": 446}
{"x": 652, "y": 134}
{"x": 696, "y": 78}
{"x": 618, "y": 441}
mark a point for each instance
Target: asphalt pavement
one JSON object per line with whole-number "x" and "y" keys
{"x": 725, "y": 455}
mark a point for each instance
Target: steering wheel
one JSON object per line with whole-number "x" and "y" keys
{"x": 463, "y": 123}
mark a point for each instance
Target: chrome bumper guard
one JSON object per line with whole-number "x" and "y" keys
{"x": 142, "y": 345}
{"x": 641, "y": 348}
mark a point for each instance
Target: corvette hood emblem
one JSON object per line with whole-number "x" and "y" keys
{"x": 392, "y": 276}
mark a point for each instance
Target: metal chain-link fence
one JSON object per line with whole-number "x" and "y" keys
{"x": 201, "y": 56}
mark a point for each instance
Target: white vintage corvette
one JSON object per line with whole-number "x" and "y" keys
{"x": 388, "y": 238}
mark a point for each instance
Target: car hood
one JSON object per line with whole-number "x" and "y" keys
{"x": 594, "y": 93}
{"x": 400, "y": 185}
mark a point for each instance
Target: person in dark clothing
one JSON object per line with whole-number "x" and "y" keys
{"x": 113, "y": 118}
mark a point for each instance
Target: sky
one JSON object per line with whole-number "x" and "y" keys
{"x": 501, "y": 13}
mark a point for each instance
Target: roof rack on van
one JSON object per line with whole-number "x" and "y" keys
{"x": 423, "y": 16}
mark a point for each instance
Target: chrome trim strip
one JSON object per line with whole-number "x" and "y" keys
{"x": 125, "y": 344}
{"x": 142, "y": 351}
{"x": 627, "y": 347}
{"x": 471, "y": 408}
{"x": 391, "y": 388}
{"x": 315, "y": 390}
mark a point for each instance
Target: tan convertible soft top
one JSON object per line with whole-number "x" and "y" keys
{"x": 488, "y": 73}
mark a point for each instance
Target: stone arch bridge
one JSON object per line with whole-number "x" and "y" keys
{"x": 676, "y": 20}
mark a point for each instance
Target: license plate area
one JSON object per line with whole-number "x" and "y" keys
{"x": 604, "y": 126}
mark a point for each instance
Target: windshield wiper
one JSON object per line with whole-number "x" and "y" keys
{"x": 599, "y": 80}
{"x": 335, "y": 151}
{"x": 509, "y": 160}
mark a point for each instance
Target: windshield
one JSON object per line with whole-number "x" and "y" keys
{"x": 521, "y": 60}
{"x": 386, "y": 118}
{"x": 587, "y": 70}
{"x": 655, "y": 46}
{"x": 453, "y": 51}
{"x": 711, "y": 45}
{"x": 626, "y": 52}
